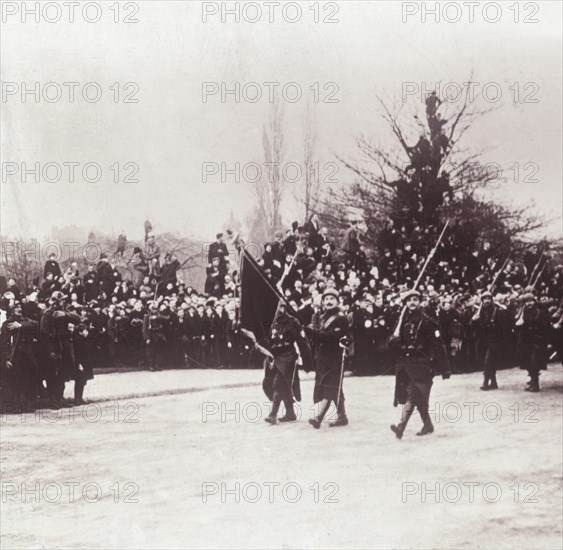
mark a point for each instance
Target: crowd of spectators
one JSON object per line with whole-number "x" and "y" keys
{"x": 147, "y": 317}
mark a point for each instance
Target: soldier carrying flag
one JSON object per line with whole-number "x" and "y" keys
{"x": 281, "y": 377}
{"x": 273, "y": 328}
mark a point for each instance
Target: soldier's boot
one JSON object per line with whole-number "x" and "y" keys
{"x": 289, "y": 415}
{"x": 342, "y": 419}
{"x": 316, "y": 422}
{"x": 486, "y": 381}
{"x": 427, "y": 427}
{"x": 493, "y": 385}
{"x": 78, "y": 392}
{"x": 399, "y": 429}
{"x": 534, "y": 383}
{"x": 272, "y": 417}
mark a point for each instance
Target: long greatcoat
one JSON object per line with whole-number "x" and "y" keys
{"x": 420, "y": 354}
{"x": 283, "y": 379}
{"x": 325, "y": 334}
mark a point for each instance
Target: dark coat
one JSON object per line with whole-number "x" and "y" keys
{"x": 218, "y": 250}
{"x": 325, "y": 333}
{"x": 105, "y": 277}
{"x": 533, "y": 337}
{"x": 83, "y": 354}
{"x": 52, "y": 266}
{"x": 56, "y": 341}
{"x": 19, "y": 352}
{"x": 420, "y": 353}
{"x": 286, "y": 333}
{"x": 493, "y": 336}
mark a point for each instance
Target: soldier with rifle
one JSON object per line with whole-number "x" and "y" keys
{"x": 533, "y": 329}
{"x": 492, "y": 330}
{"x": 420, "y": 354}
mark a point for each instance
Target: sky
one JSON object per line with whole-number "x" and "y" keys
{"x": 171, "y": 55}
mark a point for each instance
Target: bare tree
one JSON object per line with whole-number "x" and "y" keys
{"x": 18, "y": 263}
{"x": 312, "y": 188}
{"x": 427, "y": 181}
{"x": 271, "y": 187}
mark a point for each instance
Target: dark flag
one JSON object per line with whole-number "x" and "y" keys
{"x": 259, "y": 298}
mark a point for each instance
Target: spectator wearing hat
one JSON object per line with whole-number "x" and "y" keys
{"x": 105, "y": 276}
{"x": 218, "y": 249}
{"x": 83, "y": 355}
{"x": 52, "y": 266}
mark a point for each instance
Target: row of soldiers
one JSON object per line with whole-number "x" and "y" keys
{"x": 417, "y": 347}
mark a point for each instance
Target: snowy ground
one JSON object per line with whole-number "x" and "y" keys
{"x": 183, "y": 459}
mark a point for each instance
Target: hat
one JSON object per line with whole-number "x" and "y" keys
{"x": 486, "y": 294}
{"x": 330, "y": 292}
{"x": 528, "y": 296}
{"x": 409, "y": 293}
{"x": 103, "y": 255}
{"x": 57, "y": 295}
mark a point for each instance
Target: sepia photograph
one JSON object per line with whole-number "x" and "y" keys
{"x": 281, "y": 275}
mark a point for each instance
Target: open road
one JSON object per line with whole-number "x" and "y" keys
{"x": 183, "y": 459}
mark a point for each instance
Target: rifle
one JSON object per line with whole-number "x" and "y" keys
{"x": 397, "y": 331}
{"x": 539, "y": 274}
{"x": 492, "y": 286}
{"x": 536, "y": 266}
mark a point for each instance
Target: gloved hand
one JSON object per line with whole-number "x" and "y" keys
{"x": 345, "y": 342}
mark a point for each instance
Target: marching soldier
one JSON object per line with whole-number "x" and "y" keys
{"x": 329, "y": 333}
{"x": 421, "y": 353}
{"x": 492, "y": 333}
{"x": 533, "y": 331}
{"x": 281, "y": 379}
